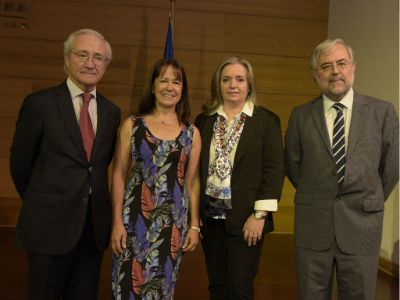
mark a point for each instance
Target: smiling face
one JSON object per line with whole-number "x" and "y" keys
{"x": 86, "y": 64}
{"x": 234, "y": 84}
{"x": 335, "y": 72}
{"x": 167, "y": 88}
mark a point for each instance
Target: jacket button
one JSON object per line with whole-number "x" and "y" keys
{"x": 85, "y": 200}
{"x": 90, "y": 169}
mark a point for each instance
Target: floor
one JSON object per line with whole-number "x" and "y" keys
{"x": 275, "y": 280}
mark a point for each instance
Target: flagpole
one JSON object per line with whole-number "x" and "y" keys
{"x": 169, "y": 41}
{"x": 172, "y": 14}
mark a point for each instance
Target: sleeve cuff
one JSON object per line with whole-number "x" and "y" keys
{"x": 268, "y": 205}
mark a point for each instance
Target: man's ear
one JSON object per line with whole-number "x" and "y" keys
{"x": 66, "y": 60}
{"x": 354, "y": 66}
{"x": 314, "y": 75}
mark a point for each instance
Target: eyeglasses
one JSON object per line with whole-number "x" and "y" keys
{"x": 83, "y": 57}
{"x": 340, "y": 66}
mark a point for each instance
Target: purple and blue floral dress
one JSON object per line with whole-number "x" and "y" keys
{"x": 155, "y": 213}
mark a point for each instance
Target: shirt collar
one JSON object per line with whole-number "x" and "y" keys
{"x": 247, "y": 109}
{"x": 76, "y": 91}
{"x": 347, "y": 101}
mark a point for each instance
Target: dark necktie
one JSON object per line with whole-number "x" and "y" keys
{"x": 338, "y": 142}
{"x": 86, "y": 125}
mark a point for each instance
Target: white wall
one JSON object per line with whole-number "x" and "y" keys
{"x": 371, "y": 28}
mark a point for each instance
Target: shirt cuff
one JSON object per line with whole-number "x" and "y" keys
{"x": 268, "y": 205}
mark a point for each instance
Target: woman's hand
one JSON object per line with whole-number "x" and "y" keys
{"x": 191, "y": 241}
{"x": 253, "y": 230}
{"x": 118, "y": 238}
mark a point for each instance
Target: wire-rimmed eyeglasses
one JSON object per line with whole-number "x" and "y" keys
{"x": 84, "y": 57}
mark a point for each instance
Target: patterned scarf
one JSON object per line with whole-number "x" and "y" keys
{"x": 220, "y": 170}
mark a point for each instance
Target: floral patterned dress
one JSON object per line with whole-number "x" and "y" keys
{"x": 155, "y": 212}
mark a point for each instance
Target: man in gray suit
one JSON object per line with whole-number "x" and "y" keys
{"x": 342, "y": 158}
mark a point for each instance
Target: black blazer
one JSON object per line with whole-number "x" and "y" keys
{"x": 52, "y": 175}
{"x": 258, "y": 169}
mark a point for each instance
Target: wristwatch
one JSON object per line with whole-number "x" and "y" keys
{"x": 260, "y": 214}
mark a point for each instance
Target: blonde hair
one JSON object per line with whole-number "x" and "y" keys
{"x": 216, "y": 95}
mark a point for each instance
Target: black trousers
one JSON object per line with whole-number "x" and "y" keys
{"x": 231, "y": 264}
{"x": 73, "y": 276}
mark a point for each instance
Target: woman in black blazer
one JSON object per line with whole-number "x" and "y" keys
{"x": 242, "y": 171}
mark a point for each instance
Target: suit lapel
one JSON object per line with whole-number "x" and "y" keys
{"x": 357, "y": 120}
{"x": 101, "y": 121}
{"x": 207, "y": 133}
{"x": 67, "y": 111}
{"x": 320, "y": 122}
{"x": 249, "y": 130}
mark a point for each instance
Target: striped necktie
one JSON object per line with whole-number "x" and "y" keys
{"x": 338, "y": 142}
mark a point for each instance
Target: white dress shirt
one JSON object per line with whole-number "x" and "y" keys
{"x": 76, "y": 95}
{"x": 331, "y": 112}
{"x": 248, "y": 108}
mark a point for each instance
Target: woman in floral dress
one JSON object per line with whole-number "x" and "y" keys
{"x": 155, "y": 189}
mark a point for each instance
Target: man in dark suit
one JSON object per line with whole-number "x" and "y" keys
{"x": 59, "y": 162}
{"x": 342, "y": 158}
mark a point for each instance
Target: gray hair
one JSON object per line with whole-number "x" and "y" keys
{"x": 326, "y": 45}
{"x": 70, "y": 40}
{"x": 216, "y": 95}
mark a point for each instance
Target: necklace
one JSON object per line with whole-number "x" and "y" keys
{"x": 164, "y": 119}
{"x": 164, "y": 122}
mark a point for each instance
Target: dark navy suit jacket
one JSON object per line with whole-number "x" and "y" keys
{"x": 53, "y": 176}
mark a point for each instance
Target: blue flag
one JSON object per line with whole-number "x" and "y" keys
{"x": 169, "y": 45}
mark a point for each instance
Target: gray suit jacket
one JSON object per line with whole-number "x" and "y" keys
{"x": 352, "y": 214}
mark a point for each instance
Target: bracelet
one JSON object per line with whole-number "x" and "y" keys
{"x": 195, "y": 228}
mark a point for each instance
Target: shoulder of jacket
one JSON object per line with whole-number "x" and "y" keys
{"x": 201, "y": 118}
{"x": 265, "y": 113}
{"x": 42, "y": 97}
{"x": 263, "y": 110}
{"x": 371, "y": 100}
{"x": 308, "y": 105}
{"x": 109, "y": 103}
